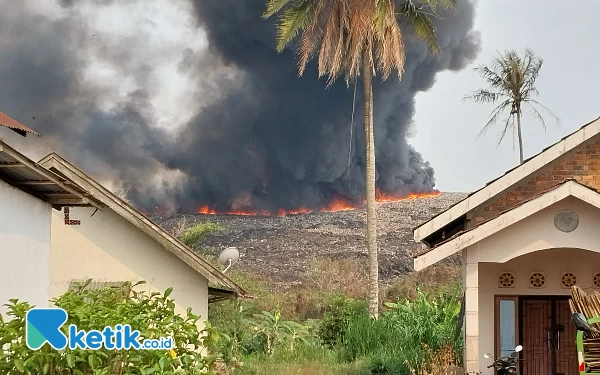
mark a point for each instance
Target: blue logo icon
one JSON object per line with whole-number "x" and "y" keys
{"x": 43, "y": 326}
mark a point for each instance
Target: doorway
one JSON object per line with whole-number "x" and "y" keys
{"x": 547, "y": 336}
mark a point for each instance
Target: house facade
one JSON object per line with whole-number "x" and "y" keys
{"x": 118, "y": 244}
{"x": 525, "y": 239}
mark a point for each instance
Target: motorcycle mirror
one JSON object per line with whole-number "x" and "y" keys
{"x": 518, "y": 348}
{"x": 487, "y": 355}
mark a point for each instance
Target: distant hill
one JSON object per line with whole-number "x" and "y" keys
{"x": 281, "y": 248}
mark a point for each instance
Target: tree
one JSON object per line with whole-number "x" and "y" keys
{"x": 511, "y": 80}
{"x": 350, "y": 35}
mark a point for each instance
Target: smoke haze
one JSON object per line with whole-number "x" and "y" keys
{"x": 192, "y": 106}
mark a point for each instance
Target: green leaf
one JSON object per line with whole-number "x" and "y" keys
{"x": 92, "y": 361}
{"x": 19, "y": 364}
{"x": 422, "y": 24}
{"x": 168, "y": 292}
{"x": 70, "y": 360}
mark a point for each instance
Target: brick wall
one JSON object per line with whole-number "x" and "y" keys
{"x": 581, "y": 164}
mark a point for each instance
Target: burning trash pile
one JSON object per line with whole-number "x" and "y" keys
{"x": 284, "y": 247}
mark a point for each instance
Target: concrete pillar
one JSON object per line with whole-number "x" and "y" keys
{"x": 471, "y": 283}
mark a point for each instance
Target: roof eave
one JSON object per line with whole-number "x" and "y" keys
{"x": 472, "y": 236}
{"x": 70, "y": 196}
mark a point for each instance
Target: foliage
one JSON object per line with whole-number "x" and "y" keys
{"x": 511, "y": 80}
{"x": 196, "y": 233}
{"x": 338, "y": 31}
{"x": 152, "y": 314}
{"x": 407, "y": 336}
{"x": 340, "y": 312}
{"x": 273, "y": 331}
{"x": 261, "y": 334}
{"x": 324, "y": 348}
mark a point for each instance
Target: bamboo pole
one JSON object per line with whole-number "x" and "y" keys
{"x": 588, "y": 305}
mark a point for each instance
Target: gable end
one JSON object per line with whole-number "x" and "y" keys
{"x": 581, "y": 164}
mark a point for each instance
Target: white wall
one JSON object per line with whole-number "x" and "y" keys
{"x": 24, "y": 247}
{"x": 534, "y": 245}
{"x": 106, "y": 247}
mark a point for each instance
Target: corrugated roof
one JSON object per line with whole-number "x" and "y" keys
{"x": 26, "y": 175}
{"x": 15, "y": 126}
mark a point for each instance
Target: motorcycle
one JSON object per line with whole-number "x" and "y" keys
{"x": 505, "y": 365}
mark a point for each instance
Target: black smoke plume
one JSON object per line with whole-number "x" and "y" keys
{"x": 260, "y": 137}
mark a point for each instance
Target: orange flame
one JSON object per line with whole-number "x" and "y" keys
{"x": 336, "y": 205}
{"x": 385, "y": 198}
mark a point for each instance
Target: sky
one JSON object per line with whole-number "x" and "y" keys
{"x": 446, "y": 128}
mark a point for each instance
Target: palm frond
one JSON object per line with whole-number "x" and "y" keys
{"x": 294, "y": 19}
{"x": 531, "y": 72}
{"x": 537, "y": 114}
{"x": 529, "y": 101}
{"x": 446, "y": 4}
{"x": 274, "y": 6}
{"x": 311, "y": 36}
{"x": 382, "y": 9}
{"x": 494, "y": 116}
{"x": 389, "y": 43}
{"x": 484, "y": 96}
{"x": 422, "y": 24}
{"x": 349, "y": 36}
{"x": 507, "y": 125}
{"x": 493, "y": 78}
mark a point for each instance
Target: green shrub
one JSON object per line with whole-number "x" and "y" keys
{"x": 408, "y": 336}
{"x": 153, "y": 315}
{"x": 340, "y": 312}
{"x": 196, "y": 233}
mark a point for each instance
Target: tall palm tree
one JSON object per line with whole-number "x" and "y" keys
{"x": 511, "y": 79}
{"x": 349, "y": 35}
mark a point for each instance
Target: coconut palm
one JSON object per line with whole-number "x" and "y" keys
{"x": 347, "y": 36}
{"x": 511, "y": 79}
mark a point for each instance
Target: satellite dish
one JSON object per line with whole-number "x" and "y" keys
{"x": 228, "y": 257}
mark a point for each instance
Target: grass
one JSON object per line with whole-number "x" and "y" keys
{"x": 196, "y": 233}
{"x": 306, "y": 360}
{"x": 408, "y": 336}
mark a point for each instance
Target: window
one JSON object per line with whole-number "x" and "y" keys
{"x": 506, "y": 325}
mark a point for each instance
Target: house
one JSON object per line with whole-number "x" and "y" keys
{"x": 60, "y": 227}
{"x": 525, "y": 238}
{"x": 117, "y": 244}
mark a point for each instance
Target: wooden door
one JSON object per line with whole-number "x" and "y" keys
{"x": 548, "y": 337}
{"x": 566, "y": 348}
{"x": 536, "y": 321}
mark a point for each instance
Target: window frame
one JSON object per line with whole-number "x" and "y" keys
{"x": 497, "y": 300}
